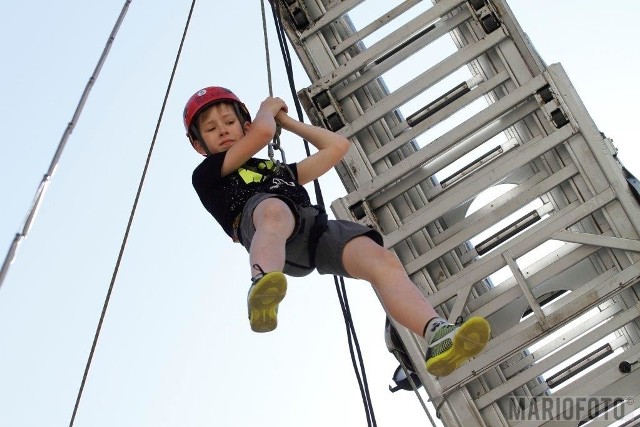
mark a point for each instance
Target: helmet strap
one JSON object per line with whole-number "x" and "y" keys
{"x": 241, "y": 113}
{"x": 197, "y": 139}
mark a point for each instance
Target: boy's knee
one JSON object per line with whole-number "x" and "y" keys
{"x": 272, "y": 210}
{"x": 382, "y": 256}
{"x": 389, "y": 259}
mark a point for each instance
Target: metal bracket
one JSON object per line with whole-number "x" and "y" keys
{"x": 299, "y": 15}
{"x": 327, "y": 109}
{"x": 551, "y": 107}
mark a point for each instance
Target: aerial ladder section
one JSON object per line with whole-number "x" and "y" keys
{"x": 490, "y": 181}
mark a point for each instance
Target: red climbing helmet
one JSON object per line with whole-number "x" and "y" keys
{"x": 207, "y": 96}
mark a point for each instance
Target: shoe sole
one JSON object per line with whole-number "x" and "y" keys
{"x": 263, "y": 300}
{"x": 469, "y": 340}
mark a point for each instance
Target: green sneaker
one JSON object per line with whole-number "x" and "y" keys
{"x": 266, "y": 292}
{"x": 453, "y": 345}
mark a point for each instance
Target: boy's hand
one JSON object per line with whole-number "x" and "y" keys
{"x": 257, "y": 135}
{"x": 273, "y": 106}
{"x": 281, "y": 118}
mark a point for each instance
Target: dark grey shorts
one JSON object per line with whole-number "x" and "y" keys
{"x": 331, "y": 243}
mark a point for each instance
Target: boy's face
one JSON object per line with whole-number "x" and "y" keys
{"x": 220, "y": 128}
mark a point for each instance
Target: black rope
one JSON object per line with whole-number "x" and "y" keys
{"x": 132, "y": 214}
{"x": 352, "y": 338}
{"x": 358, "y": 368}
{"x": 286, "y": 56}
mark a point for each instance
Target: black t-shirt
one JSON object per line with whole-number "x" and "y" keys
{"x": 225, "y": 197}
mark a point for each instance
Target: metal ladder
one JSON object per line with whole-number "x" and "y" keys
{"x": 555, "y": 244}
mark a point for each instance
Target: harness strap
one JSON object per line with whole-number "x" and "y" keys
{"x": 235, "y": 229}
{"x": 319, "y": 226}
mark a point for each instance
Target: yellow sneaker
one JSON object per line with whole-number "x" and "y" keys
{"x": 266, "y": 292}
{"x": 453, "y": 345}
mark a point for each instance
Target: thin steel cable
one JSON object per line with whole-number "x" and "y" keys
{"x": 266, "y": 47}
{"x": 407, "y": 373}
{"x": 275, "y": 144}
{"x": 131, "y": 216}
{"x": 46, "y": 179}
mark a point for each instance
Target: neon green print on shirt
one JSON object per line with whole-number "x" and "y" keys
{"x": 251, "y": 174}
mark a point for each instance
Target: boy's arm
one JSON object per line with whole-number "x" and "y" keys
{"x": 257, "y": 135}
{"x": 331, "y": 147}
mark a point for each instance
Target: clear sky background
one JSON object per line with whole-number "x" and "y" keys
{"x": 176, "y": 349}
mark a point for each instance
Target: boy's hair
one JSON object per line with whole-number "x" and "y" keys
{"x": 197, "y": 119}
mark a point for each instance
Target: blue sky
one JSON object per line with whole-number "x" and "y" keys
{"x": 176, "y": 349}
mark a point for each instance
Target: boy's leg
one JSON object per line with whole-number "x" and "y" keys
{"x": 449, "y": 346}
{"x": 365, "y": 259}
{"x": 274, "y": 222}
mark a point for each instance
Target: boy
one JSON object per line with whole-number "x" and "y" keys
{"x": 269, "y": 212}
